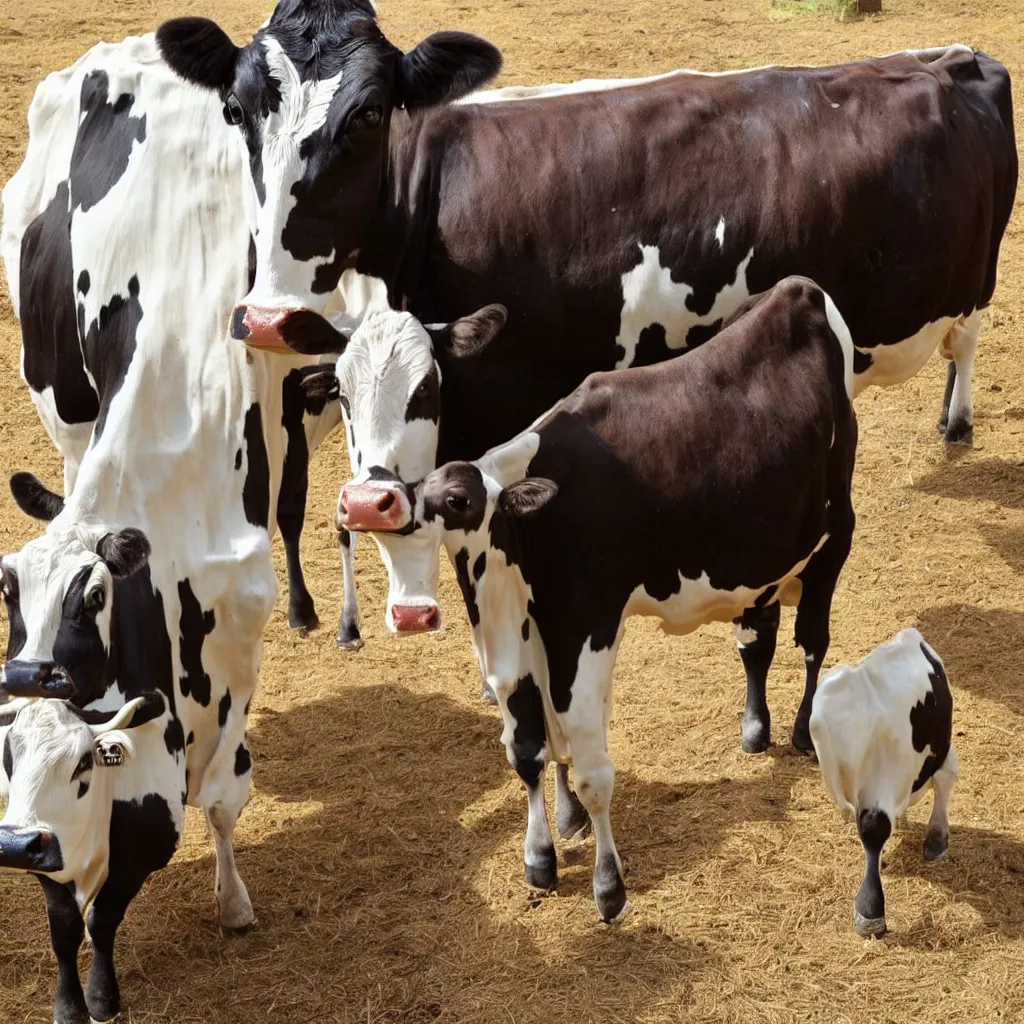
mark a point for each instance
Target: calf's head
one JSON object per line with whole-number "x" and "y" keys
{"x": 58, "y": 763}
{"x": 59, "y": 593}
{"x": 388, "y": 380}
{"x": 313, "y": 96}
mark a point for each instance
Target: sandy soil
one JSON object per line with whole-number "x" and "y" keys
{"x": 382, "y": 846}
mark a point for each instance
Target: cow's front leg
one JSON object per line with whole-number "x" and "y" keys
{"x": 525, "y": 742}
{"x": 67, "y": 929}
{"x": 756, "y": 633}
{"x": 349, "y": 637}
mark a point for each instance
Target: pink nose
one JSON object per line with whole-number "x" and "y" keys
{"x": 415, "y": 618}
{"x": 260, "y": 327}
{"x": 370, "y": 507}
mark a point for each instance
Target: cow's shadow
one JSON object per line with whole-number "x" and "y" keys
{"x": 973, "y": 480}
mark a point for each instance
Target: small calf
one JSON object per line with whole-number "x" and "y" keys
{"x": 882, "y": 730}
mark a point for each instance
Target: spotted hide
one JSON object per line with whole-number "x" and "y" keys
{"x": 883, "y": 731}
{"x": 138, "y": 612}
{"x": 619, "y": 222}
{"x": 731, "y": 467}
{"x": 101, "y": 160}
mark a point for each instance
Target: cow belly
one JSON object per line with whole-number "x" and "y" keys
{"x": 893, "y": 364}
{"x": 697, "y": 601}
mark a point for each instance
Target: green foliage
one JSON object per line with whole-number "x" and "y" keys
{"x": 783, "y": 10}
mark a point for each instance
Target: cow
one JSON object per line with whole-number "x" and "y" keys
{"x": 882, "y": 730}
{"x": 619, "y": 223}
{"x": 731, "y": 465}
{"x": 136, "y": 615}
{"x": 66, "y": 173}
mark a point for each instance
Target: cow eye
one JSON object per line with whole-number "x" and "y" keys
{"x": 368, "y": 117}
{"x": 95, "y": 600}
{"x": 457, "y": 502}
{"x": 233, "y": 110}
{"x": 84, "y": 764}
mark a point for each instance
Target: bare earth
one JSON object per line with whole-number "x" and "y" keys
{"x": 382, "y": 846}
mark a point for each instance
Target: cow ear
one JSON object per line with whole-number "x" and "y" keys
{"x": 526, "y": 497}
{"x": 470, "y": 335}
{"x": 125, "y": 552}
{"x": 321, "y": 385}
{"x": 199, "y": 51}
{"x": 34, "y": 498}
{"x": 444, "y": 67}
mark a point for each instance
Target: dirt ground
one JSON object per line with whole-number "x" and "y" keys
{"x": 382, "y": 847}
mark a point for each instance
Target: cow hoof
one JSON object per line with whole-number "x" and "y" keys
{"x": 231, "y": 931}
{"x": 488, "y": 695}
{"x": 350, "y": 640}
{"x": 544, "y": 874}
{"x": 869, "y": 927}
{"x": 621, "y": 915}
{"x": 572, "y": 820}
{"x": 609, "y": 890}
{"x": 960, "y": 432}
{"x": 756, "y": 738}
{"x": 936, "y": 845}
{"x": 304, "y": 620}
{"x": 802, "y": 738}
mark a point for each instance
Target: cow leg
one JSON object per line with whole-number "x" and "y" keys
{"x": 291, "y": 510}
{"x": 958, "y": 407}
{"x": 349, "y": 638}
{"x": 571, "y": 816}
{"x": 236, "y": 913}
{"x": 936, "y": 837}
{"x": 66, "y": 933}
{"x": 874, "y": 827}
{"x": 813, "y": 613}
{"x": 756, "y": 633}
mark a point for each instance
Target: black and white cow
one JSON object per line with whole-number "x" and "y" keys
{"x": 139, "y": 610}
{"x": 618, "y": 222}
{"x": 732, "y": 468}
{"x": 883, "y": 730}
{"x": 91, "y": 128}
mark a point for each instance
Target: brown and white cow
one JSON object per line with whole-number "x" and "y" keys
{"x": 619, "y": 223}
{"x": 732, "y": 468}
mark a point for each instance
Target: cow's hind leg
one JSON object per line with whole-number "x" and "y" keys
{"x": 570, "y": 815}
{"x": 236, "y": 913}
{"x": 67, "y": 929}
{"x": 349, "y": 638}
{"x": 525, "y": 742}
{"x": 813, "y": 613}
{"x": 960, "y": 346}
{"x": 756, "y": 633}
{"x": 874, "y": 827}
{"x": 936, "y": 837}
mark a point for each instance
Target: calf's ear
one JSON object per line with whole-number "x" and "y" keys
{"x": 321, "y": 386}
{"x": 199, "y": 51}
{"x": 469, "y": 335}
{"x": 444, "y": 67}
{"x": 125, "y": 552}
{"x": 525, "y": 497}
{"x": 34, "y": 498}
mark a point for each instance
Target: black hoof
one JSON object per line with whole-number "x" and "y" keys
{"x": 960, "y": 432}
{"x": 103, "y": 1006}
{"x": 609, "y": 891}
{"x": 571, "y": 818}
{"x": 349, "y": 639}
{"x": 543, "y": 875}
{"x": 302, "y": 615}
{"x": 802, "y": 738}
{"x": 488, "y": 695}
{"x": 69, "y": 1011}
{"x": 936, "y": 844}
{"x": 756, "y": 737}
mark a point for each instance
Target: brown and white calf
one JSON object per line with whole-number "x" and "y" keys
{"x": 883, "y": 731}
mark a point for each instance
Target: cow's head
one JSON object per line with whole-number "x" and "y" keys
{"x": 313, "y": 95}
{"x": 58, "y": 765}
{"x": 59, "y": 592}
{"x": 388, "y": 380}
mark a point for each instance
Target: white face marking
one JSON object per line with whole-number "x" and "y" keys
{"x": 650, "y": 296}
{"x": 413, "y": 563}
{"x": 281, "y": 280}
{"x": 720, "y": 232}
{"x": 386, "y": 361}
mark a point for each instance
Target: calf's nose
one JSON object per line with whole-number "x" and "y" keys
{"x": 29, "y": 850}
{"x": 415, "y": 618}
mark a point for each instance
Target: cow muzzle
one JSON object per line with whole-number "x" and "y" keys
{"x": 373, "y": 508}
{"x": 36, "y": 679}
{"x": 414, "y": 618}
{"x": 289, "y": 330}
{"x": 29, "y": 850}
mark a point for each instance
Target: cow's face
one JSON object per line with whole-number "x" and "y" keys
{"x": 59, "y": 592}
{"x": 58, "y": 763}
{"x": 313, "y": 95}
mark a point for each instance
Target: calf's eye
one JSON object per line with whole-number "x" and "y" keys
{"x": 233, "y": 110}
{"x": 457, "y": 502}
{"x": 95, "y": 601}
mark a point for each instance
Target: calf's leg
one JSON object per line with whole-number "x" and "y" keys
{"x": 66, "y": 933}
{"x": 874, "y": 827}
{"x": 756, "y": 633}
{"x": 936, "y": 836}
{"x": 570, "y": 815}
{"x": 960, "y": 345}
{"x": 291, "y": 514}
{"x": 349, "y": 638}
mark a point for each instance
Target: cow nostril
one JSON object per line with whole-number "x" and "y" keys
{"x": 386, "y": 502}
{"x": 432, "y": 618}
{"x": 37, "y": 844}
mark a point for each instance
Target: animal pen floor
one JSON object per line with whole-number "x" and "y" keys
{"x": 382, "y": 846}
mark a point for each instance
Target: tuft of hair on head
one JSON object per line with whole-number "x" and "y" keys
{"x": 124, "y": 552}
